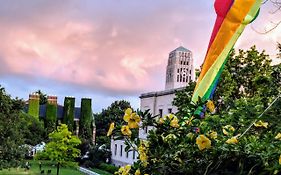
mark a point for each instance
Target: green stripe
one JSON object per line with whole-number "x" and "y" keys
{"x": 208, "y": 81}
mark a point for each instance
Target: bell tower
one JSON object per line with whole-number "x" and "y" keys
{"x": 180, "y": 70}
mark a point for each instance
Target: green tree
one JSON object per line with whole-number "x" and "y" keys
{"x": 113, "y": 113}
{"x": 62, "y": 147}
{"x": 32, "y": 129}
{"x": 11, "y": 137}
{"x": 42, "y": 97}
{"x": 86, "y": 119}
{"x": 68, "y": 112}
{"x": 239, "y": 137}
{"x": 51, "y": 117}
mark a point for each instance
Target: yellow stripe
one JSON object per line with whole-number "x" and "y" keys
{"x": 232, "y": 22}
{"x": 211, "y": 74}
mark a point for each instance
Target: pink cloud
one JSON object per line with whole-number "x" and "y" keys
{"x": 106, "y": 47}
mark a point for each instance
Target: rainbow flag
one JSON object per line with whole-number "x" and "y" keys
{"x": 232, "y": 18}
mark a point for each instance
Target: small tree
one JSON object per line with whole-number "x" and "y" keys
{"x": 62, "y": 147}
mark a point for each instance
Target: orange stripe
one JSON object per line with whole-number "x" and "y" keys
{"x": 232, "y": 22}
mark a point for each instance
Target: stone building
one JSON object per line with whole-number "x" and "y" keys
{"x": 179, "y": 73}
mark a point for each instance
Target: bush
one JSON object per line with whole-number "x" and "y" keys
{"x": 108, "y": 167}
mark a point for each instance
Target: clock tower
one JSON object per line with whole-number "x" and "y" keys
{"x": 180, "y": 70}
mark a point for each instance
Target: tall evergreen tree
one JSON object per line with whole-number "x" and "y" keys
{"x": 86, "y": 119}
{"x": 51, "y": 117}
{"x": 69, "y": 112}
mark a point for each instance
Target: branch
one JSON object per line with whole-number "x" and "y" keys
{"x": 266, "y": 30}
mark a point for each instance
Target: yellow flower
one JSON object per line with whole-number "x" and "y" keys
{"x": 145, "y": 143}
{"x": 175, "y": 122}
{"x": 124, "y": 170}
{"x": 132, "y": 118}
{"x": 143, "y": 157}
{"x": 203, "y": 142}
{"x": 128, "y": 168}
{"x": 138, "y": 172}
{"x": 210, "y": 105}
{"x": 228, "y": 128}
{"x": 161, "y": 121}
{"x": 111, "y": 128}
{"x": 126, "y": 130}
{"x": 278, "y": 136}
{"x": 171, "y": 116}
{"x": 233, "y": 140}
{"x": 280, "y": 160}
{"x": 213, "y": 134}
{"x": 261, "y": 124}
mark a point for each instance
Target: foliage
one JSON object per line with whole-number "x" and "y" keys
{"x": 233, "y": 139}
{"x": 62, "y": 146}
{"x": 32, "y": 129}
{"x": 11, "y": 137}
{"x": 68, "y": 112}
{"x": 51, "y": 117}
{"x": 42, "y": 97}
{"x": 33, "y": 107}
{"x": 86, "y": 119}
{"x": 98, "y": 155}
{"x": 108, "y": 167}
{"x": 113, "y": 113}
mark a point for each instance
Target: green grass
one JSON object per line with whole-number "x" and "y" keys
{"x": 101, "y": 172}
{"x": 34, "y": 170}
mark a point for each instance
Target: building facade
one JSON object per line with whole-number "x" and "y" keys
{"x": 179, "y": 73}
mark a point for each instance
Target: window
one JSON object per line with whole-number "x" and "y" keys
{"x": 127, "y": 154}
{"x": 177, "y": 78}
{"x": 134, "y": 154}
{"x": 115, "y": 149}
{"x": 160, "y": 112}
{"x": 146, "y": 129}
{"x": 170, "y": 110}
{"x": 121, "y": 150}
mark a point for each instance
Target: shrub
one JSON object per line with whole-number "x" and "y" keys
{"x": 108, "y": 167}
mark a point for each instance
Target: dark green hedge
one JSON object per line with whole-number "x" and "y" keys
{"x": 69, "y": 112}
{"x": 51, "y": 117}
{"x": 33, "y": 107}
{"x": 86, "y": 117}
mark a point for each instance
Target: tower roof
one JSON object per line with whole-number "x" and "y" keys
{"x": 182, "y": 49}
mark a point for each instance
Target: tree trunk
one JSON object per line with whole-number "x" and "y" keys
{"x": 58, "y": 168}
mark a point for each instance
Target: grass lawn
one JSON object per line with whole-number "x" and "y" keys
{"x": 34, "y": 170}
{"x": 101, "y": 172}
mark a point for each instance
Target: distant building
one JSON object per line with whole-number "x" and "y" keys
{"x": 179, "y": 73}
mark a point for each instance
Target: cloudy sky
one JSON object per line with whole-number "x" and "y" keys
{"x": 107, "y": 49}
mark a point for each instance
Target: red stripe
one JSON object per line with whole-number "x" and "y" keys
{"x": 222, "y": 7}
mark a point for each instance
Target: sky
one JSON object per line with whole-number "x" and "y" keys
{"x": 108, "y": 49}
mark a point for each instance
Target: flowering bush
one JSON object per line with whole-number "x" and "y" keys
{"x": 195, "y": 145}
{"x": 236, "y": 135}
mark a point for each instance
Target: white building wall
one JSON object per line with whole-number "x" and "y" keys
{"x": 119, "y": 156}
{"x": 158, "y": 102}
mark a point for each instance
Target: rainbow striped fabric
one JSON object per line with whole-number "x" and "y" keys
{"x": 232, "y": 18}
